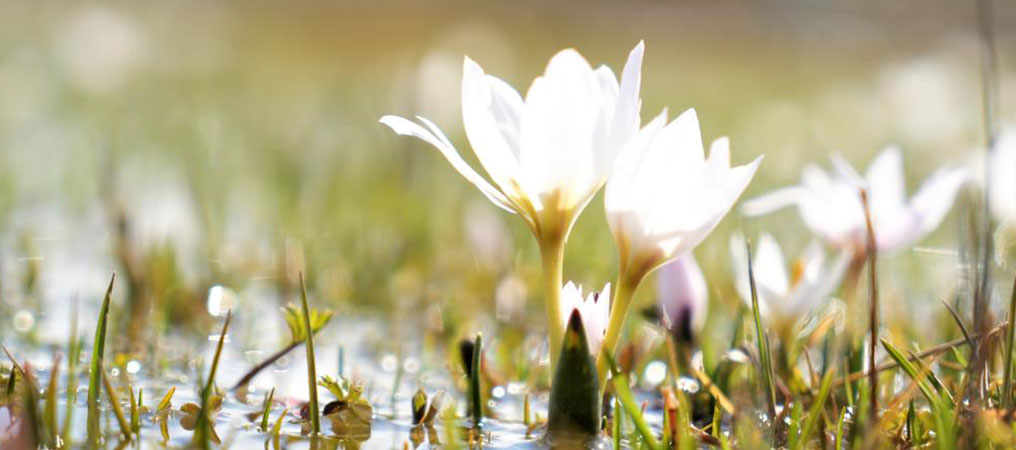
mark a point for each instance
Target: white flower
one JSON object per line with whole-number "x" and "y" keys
{"x": 831, "y": 207}
{"x": 684, "y": 297}
{"x": 664, "y": 196}
{"x": 782, "y": 298}
{"x": 594, "y": 310}
{"x": 546, "y": 155}
{"x": 1003, "y": 177}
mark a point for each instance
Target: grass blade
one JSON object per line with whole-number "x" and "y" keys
{"x": 872, "y": 252}
{"x": 1010, "y": 337}
{"x": 315, "y": 412}
{"x": 267, "y": 408}
{"x": 49, "y": 410}
{"x": 476, "y": 403}
{"x": 815, "y": 413}
{"x": 95, "y": 369}
{"x": 73, "y": 355}
{"x": 203, "y": 431}
{"x": 762, "y": 342}
{"x": 114, "y": 402}
{"x": 624, "y": 395}
{"x": 911, "y": 371}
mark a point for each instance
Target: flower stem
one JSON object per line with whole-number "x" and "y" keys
{"x": 552, "y": 255}
{"x": 619, "y": 305}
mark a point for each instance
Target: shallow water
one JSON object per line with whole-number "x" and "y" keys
{"x": 181, "y": 364}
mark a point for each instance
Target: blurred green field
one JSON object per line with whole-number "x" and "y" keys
{"x": 239, "y": 140}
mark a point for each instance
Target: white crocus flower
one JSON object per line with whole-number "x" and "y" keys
{"x": 665, "y": 196}
{"x": 546, "y": 155}
{"x": 831, "y": 207}
{"x": 782, "y": 298}
{"x": 1003, "y": 178}
{"x": 594, "y": 310}
{"x": 662, "y": 200}
{"x": 684, "y": 297}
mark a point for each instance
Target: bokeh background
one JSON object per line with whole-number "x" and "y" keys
{"x": 197, "y": 143}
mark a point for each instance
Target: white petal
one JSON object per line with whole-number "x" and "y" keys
{"x": 491, "y": 116}
{"x": 626, "y": 115}
{"x": 562, "y": 109}
{"x": 846, "y": 171}
{"x": 438, "y": 140}
{"x": 927, "y": 209}
{"x": 770, "y": 266}
{"x": 1003, "y": 177}
{"x": 772, "y": 201}
{"x": 887, "y": 193}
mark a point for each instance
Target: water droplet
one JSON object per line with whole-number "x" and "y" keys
{"x": 133, "y": 367}
{"x": 115, "y": 372}
{"x": 516, "y": 388}
{"x": 497, "y": 392}
{"x": 656, "y": 371}
{"x": 389, "y": 362}
{"x": 689, "y": 385}
{"x": 411, "y": 365}
{"x": 23, "y": 321}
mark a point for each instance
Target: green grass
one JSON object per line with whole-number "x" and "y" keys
{"x": 315, "y": 411}
{"x": 95, "y": 369}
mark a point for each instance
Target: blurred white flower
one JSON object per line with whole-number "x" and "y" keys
{"x": 683, "y": 296}
{"x": 1002, "y": 162}
{"x": 831, "y": 207}
{"x": 783, "y": 298}
{"x": 664, "y": 196}
{"x": 549, "y": 154}
{"x": 99, "y": 49}
{"x": 594, "y": 310}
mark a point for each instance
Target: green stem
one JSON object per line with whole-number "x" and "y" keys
{"x": 315, "y": 419}
{"x": 1009, "y": 341}
{"x": 552, "y": 255}
{"x": 624, "y": 290}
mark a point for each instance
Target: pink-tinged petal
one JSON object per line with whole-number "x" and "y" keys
{"x": 886, "y": 188}
{"x": 847, "y": 172}
{"x": 683, "y": 296}
{"x": 440, "y": 141}
{"x": 770, "y": 266}
{"x": 927, "y": 208}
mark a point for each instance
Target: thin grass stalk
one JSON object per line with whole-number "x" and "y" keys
{"x": 944, "y": 347}
{"x": 872, "y": 252}
{"x": 49, "y": 408}
{"x": 315, "y": 412}
{"x": 618, "y": 415}
{"x": 203, "y": 432}
{"x": 95, "y": 369}
{"x": 268, "y": 407}
{"x": 264, "y": 364}
{"x": 114, "y": 402}
{"x": 475, "y": 400}
{"x": 1010, "y": 340}
{"x": 815, "y": 413}
{"x": 73, "y": 354}
{"x": 762, "y": 341}
{"x": 918, "y": 376}
{"x": 624, "y": 395}
{"x": 277, "y": 428}
{"x": 988, "y": 88}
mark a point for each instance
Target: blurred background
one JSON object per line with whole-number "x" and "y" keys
{"x": 189, "y": 144}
